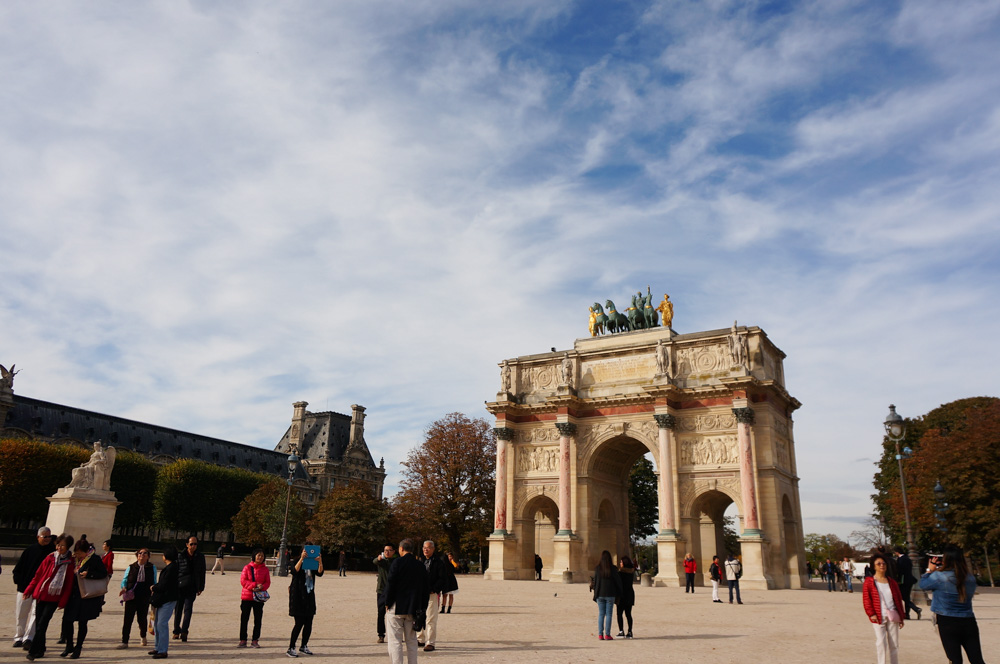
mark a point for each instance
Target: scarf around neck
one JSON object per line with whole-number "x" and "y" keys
{"x": 59, "y": 576}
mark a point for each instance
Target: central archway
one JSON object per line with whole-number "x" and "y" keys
{"x": 605, "y": 501}
{"x": 704, "y": 529}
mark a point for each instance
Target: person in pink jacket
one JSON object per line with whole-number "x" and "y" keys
{"x": 255, "y": 579}
{"x": 50, "y": 588}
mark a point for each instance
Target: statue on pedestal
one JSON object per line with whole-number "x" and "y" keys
{"x": 566, "y": 371}
{"x": 7, "y": 377}
{"x": 505, "y": 378}
{"x": 663, "y": 364}
{"x": 738, "y": 348}
{"x": 96, "y": 472}
{"x": 666, "y": 310}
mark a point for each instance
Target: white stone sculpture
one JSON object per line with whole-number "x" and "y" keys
{"x": 96, "y": 472}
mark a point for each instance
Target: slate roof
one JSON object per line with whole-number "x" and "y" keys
{"x": 326, "y": 436}
{"x": 43, "y": 419}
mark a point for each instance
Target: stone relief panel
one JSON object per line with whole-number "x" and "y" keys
{"x": 781, "y": 451}
{"x": 709, "y": 422}
{"x": 537, "y": 460}
{"x": 690, "y": 489}
{"x": 543, "y": 434}
{"x": 524, "y": 494}
{"x": 539, "y": 377}
{"x": 709, "y": 451}
{"x": 617, "y": 369}
{"x": 714, "y": 359}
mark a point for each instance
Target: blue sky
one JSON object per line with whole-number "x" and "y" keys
{"x": 210, "y": 211}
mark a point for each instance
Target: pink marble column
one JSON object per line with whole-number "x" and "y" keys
{"x": 666, "y": 425}
{"x": 500, "y": 496}
{"x": 751, "y": 523}
{"x": 566, "y": 429}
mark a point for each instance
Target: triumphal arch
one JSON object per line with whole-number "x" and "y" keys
{"x": 710, "y": 408}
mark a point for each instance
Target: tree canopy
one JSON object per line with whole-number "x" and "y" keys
{"x": 448, "y": 483}
{"x": 194, "y": 495}
{"x": 31, "y": 471}
{"x": 262, "y": 516}
{"x": 350, "y": 517}
{"x": 957, "y": 444}
{"x": 642, "y": 501}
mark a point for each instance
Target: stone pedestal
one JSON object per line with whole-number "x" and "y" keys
{"x": 670, "y": 561}
{"x": 568, "y": 556}
{"x": 503, "y": 557}
{"x": 755, "y": 577}
{"x": 77, "y": 511}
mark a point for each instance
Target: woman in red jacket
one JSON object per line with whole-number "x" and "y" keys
{"x": 690, "y": 567}
{"x": 255, "y": 579}
{"x": 883, "y": 605}
{"x": 51, "y": 586}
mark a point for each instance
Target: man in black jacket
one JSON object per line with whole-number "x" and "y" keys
{"x": 24, "y": 572}
{"x": 191, "y": 580}
{"x": 406, "y": 595}
{"x": 382, "y": 563}
{"x": 904, "y": 572}
{"x": 427, "y": 637}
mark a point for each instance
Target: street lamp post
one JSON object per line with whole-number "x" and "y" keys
{"x": 896, "y": 431}
{"x": 293, "y": 462}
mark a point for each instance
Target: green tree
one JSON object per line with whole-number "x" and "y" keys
{"x": 820, "y": 547}
{"x": 350, "y": 517}
{"x": 642, "y": 501}
{"x": 729, "y": 536}
{"x": 133, "y": 481}
{"x": 957, "y": 444}
{"x": 31, "y": 471}
{"x": 448, "y": 483}
{"x": 262, "y": 516}
{"x": 193, "y": 495}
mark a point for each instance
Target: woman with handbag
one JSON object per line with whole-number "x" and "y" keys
{"x": 255, "y": 580}
{"x": 302, "y": 602}
{"x": 50, "y": 587}
{"x": 135, "y": 593}
{"x": 163, "y": 598}
{"x": 953, "y": 588}
{"x": 86, "y": 597}
{"x": 883, "y": 602}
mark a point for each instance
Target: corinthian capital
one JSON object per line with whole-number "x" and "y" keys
{"x": 743, "y": 415}
{"x": 665, "y": 421}
{"x": 566, "y": 428}
{"x": 503, "y": 433}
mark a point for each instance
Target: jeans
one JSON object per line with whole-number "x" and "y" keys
{"x": 605, "y": 607}
{"x": 850, "y": 582}
{"x": 246, "y": 606}
{"x": 380, "y": 621}
{"x": 958, "y": 633}
{"x": 734, "y": 583}
{"x": 162, "y": 627}
{"x": 831, "y": 580}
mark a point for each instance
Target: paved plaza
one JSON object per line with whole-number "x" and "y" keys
{"x": 526, "y": 621}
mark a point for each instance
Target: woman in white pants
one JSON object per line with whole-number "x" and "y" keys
{"x": 883, "y": 603}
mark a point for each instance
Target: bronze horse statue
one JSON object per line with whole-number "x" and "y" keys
{"x": 648, "y": 310}
{"x": 635, "y": 316}
{"x": 616, "y": 322}
{"x": 601, "y": 320}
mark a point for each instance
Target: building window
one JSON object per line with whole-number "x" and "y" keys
{"x": 333, "y": 483}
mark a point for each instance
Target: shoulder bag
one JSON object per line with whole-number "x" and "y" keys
{"x": 258, "y": 595}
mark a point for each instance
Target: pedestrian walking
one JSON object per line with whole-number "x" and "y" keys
{"x": 135, "y": 593}
{"x": 24, "y": 571}
{"x": 883, "y": 604}
{"x": 450, "y": 566}
{"x": 50, "y": 588}
{"x": 538, "y": 567}
{"x": 734, "y": 570}
{"x": 342, "y": 564}
{"x": 847, "y": 567}
{"x": 79, "y": 609}
{"x": 953, "y": 589}
{"x": 607, "y": 586}
{"x": 905, "y": 579}
{"x": 255, "y": 580}
{"x": 191, "y": 581}
{"x": 302, "y": 602}
{"x": 164, "y": 596}
{"x": 427, "y": 637}
{"x": 220, "y": 560}
{"x": 625, "y": 602}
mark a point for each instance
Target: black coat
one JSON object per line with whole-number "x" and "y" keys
{"x": 407, "y": 589}
{"x": 436, "y": 574}
{"x": 904, "y": 571}
{"x": 627, "y": 597}
{"x": 191, "y": 572}
{"x": 166, "y": 588}
{"x": 28, "y": 563}
{"x": 300, "y": 602}
{"x": 450, "y": 582}
{"x": 78, "y": 608}
{"x": 607, "y": 586}
{"x": 141, "y": 590}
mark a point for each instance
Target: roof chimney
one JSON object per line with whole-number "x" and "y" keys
{"x": 357, "y": 426}
{"x": 298, "y": 427}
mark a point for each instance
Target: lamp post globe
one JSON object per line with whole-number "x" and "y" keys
{"x": 293, "y": 462}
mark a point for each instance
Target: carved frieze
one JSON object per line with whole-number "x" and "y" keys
{"x": 714, "y": 359}
{"x": 537, "y": 460}
{"x": 708, "y": 422}
{"x": 539, "y": 377}
{"x": 543, "y": 434}
{"x": 708, "y": 451}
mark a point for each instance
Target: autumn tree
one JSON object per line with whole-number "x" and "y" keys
{"x": 642, "y": 501}
{"x": 262, "y": 516}
{"x": 957, "y": 444}
{"x": 350, "y": 517}
{"x": 31, "y": 471}
{"x": 448, "y": 483}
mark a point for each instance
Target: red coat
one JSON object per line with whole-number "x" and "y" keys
{"x": 109, "y": 562}
{"x": 690, "y": 565}
{"x": 39, "y": 586}
{"x": 249, "y": 580}
{"x": 873, "y": 604}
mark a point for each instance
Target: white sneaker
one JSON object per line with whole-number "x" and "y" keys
{"x": 305, "y": 650}
{"x": 291, "y": 653}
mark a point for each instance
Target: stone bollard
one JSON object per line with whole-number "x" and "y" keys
{"x": 567, "y": 577}
{"x": 646, "y": 580}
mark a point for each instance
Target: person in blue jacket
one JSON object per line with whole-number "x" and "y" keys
{"x": 953, "y": 589}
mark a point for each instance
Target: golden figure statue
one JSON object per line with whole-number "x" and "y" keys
{"x": 593, "y": 322}
{"x": 666, "y": 310}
